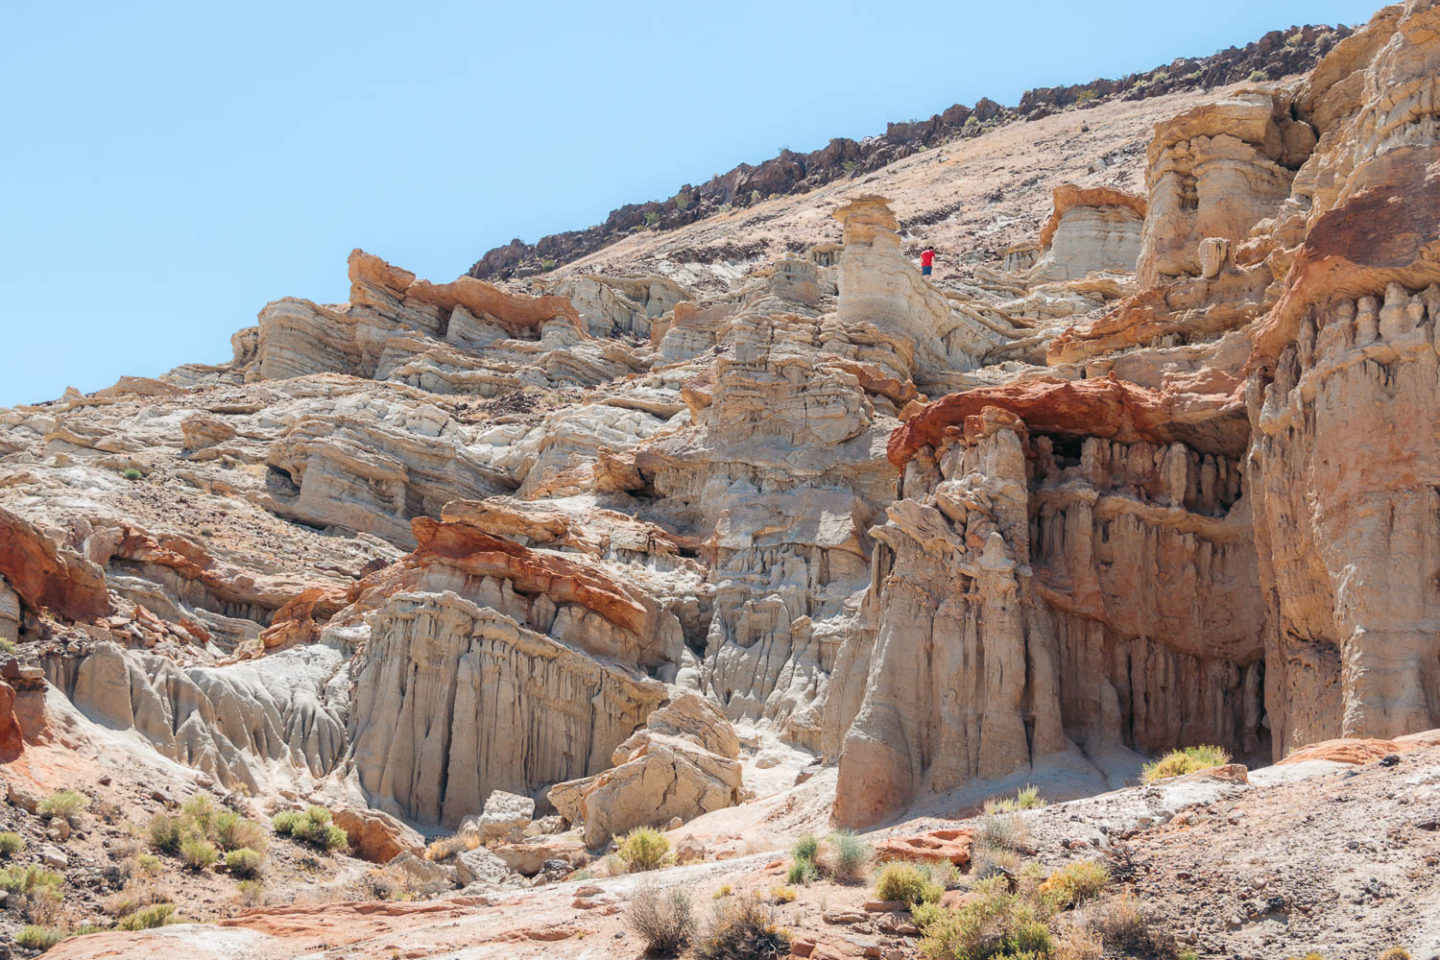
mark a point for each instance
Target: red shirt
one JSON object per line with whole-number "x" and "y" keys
{"x": 927, "y": 259}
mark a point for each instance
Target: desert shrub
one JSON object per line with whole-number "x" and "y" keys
{"x": 7, "y": 646}
{"x": 1002, "y": 832}
{"x": 231, "y": 831}
{"x": 252, "y": 892}
{"x": 198, "y": 853}
{"x": 312, "y": 827}
{"x": 447, "y": 847}
{"x": 157, "y": 915}
{"x": 166, "y": 833}
{"x": 987, "y": 862}
{"x": 1078, "y": 943}
{"x": 802, "y": 872}
{"x": 1187, "y": 760}
{"x": 662, "y": 919}
{"x": 132, "y": 474}
{"x": 643, "y": 848}
{"x": 10, "y": 844}
{"x": 1126, "y": 926}
{"x": 1075, "y": 883}
{"x": 906, "y": 883}
{"x": 806, "y": 848}
{"x": 845, "y": 857}
{"x": 783, "y": 894}
{"x": 148, "y": 864}
{"x": 39, "y": 938}
{"x": 284, "y": 822}
{"x": 29, "y": 879}
{"x": 1395, "y": 953}
{"x": 243, "y": 862}
{"x": 742, "y": 929}
{"x": 63, "y": 803}
{"x": 200, "y": 810}
{"x": 722, "y": 892}
{"x": 993, "y": 922}
{"x": 1027, "y": 798}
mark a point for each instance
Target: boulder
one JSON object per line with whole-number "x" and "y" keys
{"x": 505, "y": 817}
{"x": 48, "y": 576}
{"x": 529, "y": 857}
{"x": 682, "y": 764}
{"x": 935, "y": 846}
{"x": 378, "y": 837}
{"x": 480, "y": 866}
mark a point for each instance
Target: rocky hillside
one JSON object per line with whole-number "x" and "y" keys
{"x": 1278, "y": 54}
{"x": 395, "y": 629}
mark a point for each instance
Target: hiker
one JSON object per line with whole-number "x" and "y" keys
{"x": 927, "y": 261}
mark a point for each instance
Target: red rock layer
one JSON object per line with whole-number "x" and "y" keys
{"x": 46, "y": 576}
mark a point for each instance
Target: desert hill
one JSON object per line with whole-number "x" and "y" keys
{"x": 395, "y": 634}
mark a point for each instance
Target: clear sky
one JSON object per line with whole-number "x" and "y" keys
{"x": 168, "y": 168}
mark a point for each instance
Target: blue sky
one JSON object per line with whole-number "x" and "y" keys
{"x": 169, "y": 168}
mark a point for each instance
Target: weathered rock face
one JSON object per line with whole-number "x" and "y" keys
{"x": 46, "y": 575}
{"x": 682, "y": 764}
{"x": 1091, "y": 229}
{"x": 1341, "y": 395}
{"x": 1035, "y": 590}
{"x": 449, "y": 686}
{"x": 1216, "y": 171}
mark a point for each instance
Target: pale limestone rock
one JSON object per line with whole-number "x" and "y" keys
{"x": 682, "y": 764}
{"x": 9, "y": 612}
{"x": 420, "y": 707}
{"x": 1090, "y": 230}
{"x": 504, "y": 818}
{"x": 480, "y": 866}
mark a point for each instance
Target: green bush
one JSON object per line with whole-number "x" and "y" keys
{"x": 243, "y": 863}
{"x": 148, "y": 864}
{"x": 806, "y": 848}
{"x": 803, "y": 872}
{"x": 198, "y": 853}
{"x": 313, "y": 827}
{"x": 846, "y": 857}
{"x": 10, "y": 844}
{"x": 1075, "y": 883}
{"x": 157, "y": 915}
{"x": 993, "y": 922}
{"x": 39, "y": 938}
{"x": 906, "y": 883}
{"x": 201, "y": 811}
{"x": 1002, "y": 832}
{"x": 7, "y": 646}
{"x": 28, "y": 879}
{"x": 166, "y": 833}
{"x": 643, "y": 848}
{"x": 1177, "y": 763}
{"x": 132, "y": 474}
{"x": 63, "y": 803}
{"x": 742, "y": 928}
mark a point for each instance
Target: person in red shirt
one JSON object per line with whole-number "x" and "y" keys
{"x": 927, "y": 261}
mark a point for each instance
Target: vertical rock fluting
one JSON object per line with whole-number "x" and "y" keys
{"x": 453, "y": 701}
{"x": 1033, "y": 592}
{"x": 1342, "y": 395}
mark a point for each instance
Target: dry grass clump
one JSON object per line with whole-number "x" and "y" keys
{"x": 10, "y": 844}
{"x": 1126, "y": 926}
{"x": 39, "y": 938}
{"x": 447, "y": 847}
{"x": 1027, "y": 798}
{"x": 642, "y": 849}
{"x": 1177, "y": 763}
{"x": 157, "y": 915}
{"x": 742, "y": 928}
{"x": 663, "y": 920}
{"x": 198, "y": 853}
{"x": 1395, "y": 953}
{"x": 844, "y": 857}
